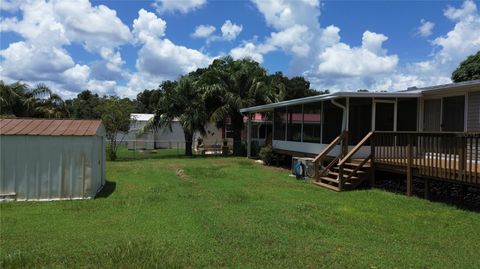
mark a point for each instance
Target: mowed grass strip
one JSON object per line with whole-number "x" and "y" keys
{"x": 231, "y": 212}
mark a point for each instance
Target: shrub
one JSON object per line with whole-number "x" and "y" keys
{"x": 266, "y": 154}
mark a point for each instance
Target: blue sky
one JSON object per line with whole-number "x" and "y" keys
{"x": 123, "y": 47}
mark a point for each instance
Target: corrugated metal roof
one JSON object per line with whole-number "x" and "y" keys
{"x": 49, "y": 127}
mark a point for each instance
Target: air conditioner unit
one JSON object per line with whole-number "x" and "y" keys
{"x": 303, "y": 167}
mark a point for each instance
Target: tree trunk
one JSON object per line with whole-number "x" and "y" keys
{"x": 113, "y": 150}
{"x": 188, "y": 144}
{"x": 155, "y": 138}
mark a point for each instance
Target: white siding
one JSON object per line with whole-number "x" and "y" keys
{"x": 473, "y": 117}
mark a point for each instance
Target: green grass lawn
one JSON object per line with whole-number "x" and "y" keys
{"x": 232, "y": 212}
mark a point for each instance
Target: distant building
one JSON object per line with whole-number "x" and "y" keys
{"x": 166, "y": 137}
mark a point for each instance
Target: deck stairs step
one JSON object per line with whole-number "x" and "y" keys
{"x": 325, "y": 185}
{"x": 330, "y": 178}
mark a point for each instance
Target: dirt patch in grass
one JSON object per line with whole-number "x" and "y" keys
{"x": 181, "y": 174}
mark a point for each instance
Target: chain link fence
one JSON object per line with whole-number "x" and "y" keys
{"x": 145, "y": 149}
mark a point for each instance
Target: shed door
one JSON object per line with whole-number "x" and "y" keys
{"x": 431, "y": 116}
{"x": 453, "y": 114}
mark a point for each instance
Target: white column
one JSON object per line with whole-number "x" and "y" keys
{"x": 249, "y": 136}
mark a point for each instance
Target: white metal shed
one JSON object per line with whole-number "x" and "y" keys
{"x": 51, "y": 159}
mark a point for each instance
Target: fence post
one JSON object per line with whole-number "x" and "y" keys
{"x": 409, "y": 165}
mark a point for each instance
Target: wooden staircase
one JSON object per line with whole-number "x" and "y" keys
{"x": 342, "y": 173}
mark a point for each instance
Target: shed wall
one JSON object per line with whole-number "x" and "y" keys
{"x": 52, "y": 167}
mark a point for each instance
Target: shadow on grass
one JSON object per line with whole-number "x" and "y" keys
{"x": 107, "y": 189}
{"x": 452, "y": 194}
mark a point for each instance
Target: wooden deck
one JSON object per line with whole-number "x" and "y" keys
{"x": 451, "y": 157}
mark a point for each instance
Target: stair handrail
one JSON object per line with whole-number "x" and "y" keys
{"x": 355, "y": 149}
{"x": 326, "y": 150}
{"x": 341, "y": 163}
{"x": 329, "y": 148}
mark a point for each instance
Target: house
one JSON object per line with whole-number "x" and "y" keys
{"x": 166, "y": 137}
{"x": 438, "y": 124}
{"x": 51, "y": 159}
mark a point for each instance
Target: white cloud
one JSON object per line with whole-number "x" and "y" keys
{"x": 47, "y": 27}
{"x": 26, "y": 61}
{"x": 317, "y": 51}
{"x": 148, "y": 26}
{"x": 319, "y": 54}
{"x": 247, "y": 50}
{"x": 466, "y": 12}
{"x": 295, "y": 39}
{"x": 203, "y": 31}
{"x": 367, "y": 60}
{"x": 426, "y": 28}
{"x": 282, "y": 14}
{"x": 164, "y": 58}
{"x": 9, "y": 5}
{"x": 183, "y": 6}
{"x": 230, "y": 31}
{"x": 159, "y": 58}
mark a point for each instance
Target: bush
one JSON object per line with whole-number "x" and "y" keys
{"x": 266, "y": 154}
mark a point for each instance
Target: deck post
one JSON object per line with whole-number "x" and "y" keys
{"x": 372, "y": 162}
{"x": 249, "y": 135}
{"x": 340, "y": 178}
{"x": 462, "y": 158}
{"x": 409, "y": 166}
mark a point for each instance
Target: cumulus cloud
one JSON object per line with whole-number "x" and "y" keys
{"x": 367, "y": 60}
{"x": 47, "y": 27}
{"x": 203, "y": 31}
{"x": 230, "y": 31}
{"x": 282, "y": 14}
{"x": 319, "y": 54}
{"x": 158, "y": 57}
{"x": 148, "y": 26}
{"x": 183, "y": 6}
{"x": 426, "y": 28}
{"x": 249, "y": 50}
{"x": 316, "y": 52}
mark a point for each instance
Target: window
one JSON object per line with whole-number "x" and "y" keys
{"x": 254, "y": 131}
{"x": 407, "y": 114}
{"x": 332, "y": 122}
{"x": 312, "y": 125}
{"x": 294, "y": 125}
{"x": 360, "y": 121}
{"x": 279, "y": 122}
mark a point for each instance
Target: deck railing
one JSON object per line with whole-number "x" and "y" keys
{"x": 340, "y": 140}
{"x": 445, "y": 155}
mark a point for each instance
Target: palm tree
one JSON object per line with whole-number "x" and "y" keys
{"x": 22, "y": 101}
{"x": 184, "y": 103}
{"x": 11, "y": 97}
{"x": 231, "y": 85}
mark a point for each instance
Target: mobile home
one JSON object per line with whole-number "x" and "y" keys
{"x": 438, "y": 124}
